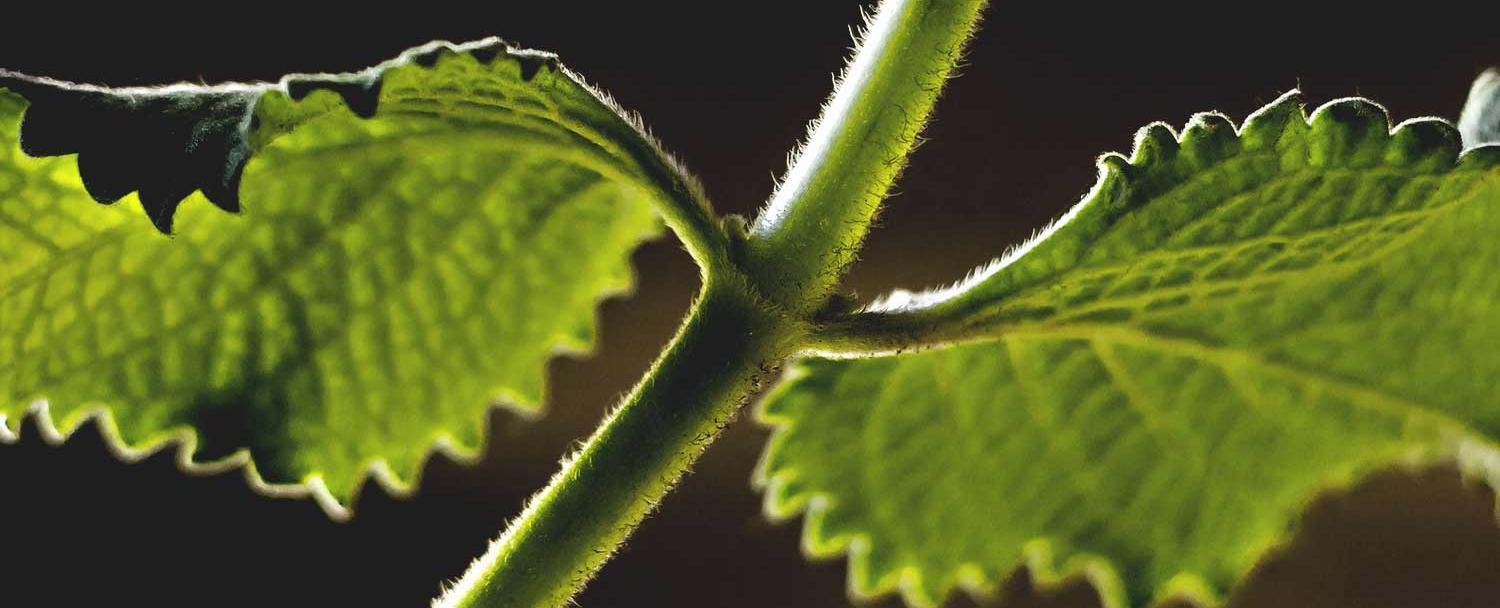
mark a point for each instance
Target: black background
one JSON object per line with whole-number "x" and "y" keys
{"x": 728, "y": 87}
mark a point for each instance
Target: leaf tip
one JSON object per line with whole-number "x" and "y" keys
{"x": 1154, "y": 143}
{"x": 1266, "y": 126}
{"x": 1115, "y": 175}
{"x": 1208, "y": 137}
{"x": 1429, "y": 143}
{"x": 1114, "y": 162}
{"x": 1350, "y": 131}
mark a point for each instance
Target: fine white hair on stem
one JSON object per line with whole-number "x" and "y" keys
{"x": 873, "y": 28}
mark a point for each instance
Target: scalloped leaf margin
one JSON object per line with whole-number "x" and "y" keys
{"x": 202, "y": 138}
{"x": 1341, "y": 132}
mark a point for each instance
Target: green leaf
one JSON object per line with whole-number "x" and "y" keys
{"x": 416, "y": 241}
{"x": 1151, "y": 391}
{"x": 1479, "y": 123}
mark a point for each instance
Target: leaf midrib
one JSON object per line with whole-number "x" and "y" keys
{"x": 1037, "y": 292}
{"x": 1370, "y": 398}
{"x": 1258, "y": 277}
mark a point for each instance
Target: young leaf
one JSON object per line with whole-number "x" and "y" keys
{"x": 1151, "y": 391}
{"x": 416, "y": 241}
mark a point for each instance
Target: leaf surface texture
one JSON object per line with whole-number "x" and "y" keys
{"x": 412, "y": 244}
{"x": 1151, "y": 391}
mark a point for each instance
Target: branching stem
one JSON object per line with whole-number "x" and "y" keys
{"x": 757, "y": 300}
{"x": 814, "y": 225}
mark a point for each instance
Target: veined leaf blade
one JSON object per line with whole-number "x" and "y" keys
{"x": 416, "y": 242}
{"x": 1152, "y": 391}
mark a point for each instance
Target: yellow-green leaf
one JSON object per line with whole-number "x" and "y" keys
{"x": 1152, "y": 390}
{"x": 414, "y": 242}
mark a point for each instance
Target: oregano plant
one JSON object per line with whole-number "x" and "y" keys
{"x": 327, "y": 277}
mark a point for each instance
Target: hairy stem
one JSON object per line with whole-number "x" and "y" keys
{"x": 813, "y": 227}
{"x": 723, "y": 352}
{"x": 753, "y": 314}
{"x": 868, "y": 334}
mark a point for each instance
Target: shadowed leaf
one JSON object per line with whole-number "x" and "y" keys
{"x": 415, "y": 242}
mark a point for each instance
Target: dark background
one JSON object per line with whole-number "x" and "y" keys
{"x": 729, "y": 87}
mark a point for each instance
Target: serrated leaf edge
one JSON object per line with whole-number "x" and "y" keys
{"x": 1155, "y": 139}
{"x": 1477, "y": 458}
{"x": 680, "y": 197}
{"x": 185, "y": 438}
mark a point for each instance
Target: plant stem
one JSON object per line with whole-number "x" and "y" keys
{"x": 753, "y": 313}
{"x": 813, "y": 227}
{"x": 727, "y": 347}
